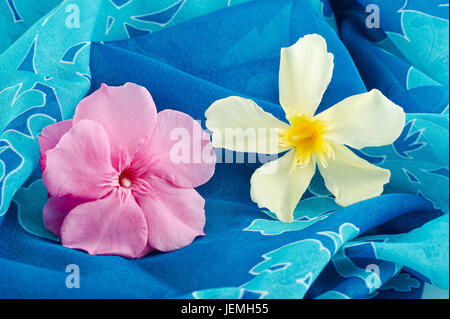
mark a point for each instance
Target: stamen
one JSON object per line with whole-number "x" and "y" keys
{"x": 126, "y": 179}
{"x": 306, "y": 136}
{"x": 125, "y": 182}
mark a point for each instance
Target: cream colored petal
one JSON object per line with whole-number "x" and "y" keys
{"x": 276, "y": 187}
{"x": 241, "y": 125}
{"x": 368, "y": 119}
{"x": 352, "y": 179}
{"x": 306, "y": 69}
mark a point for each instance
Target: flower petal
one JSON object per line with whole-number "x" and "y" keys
{"x": 127, "y": 113}
{"x": 106, "y": 227}
{"x": 368, "y": 119}
{"x": 306, "y": 69}
{"x": 279, "y": 188}
{"x": 56, "y": 209}
{"x": 241, "y": 125}
{"x": 352, "y": 179}
{"x": 80, "y": 164}
{"x": 175, "y": 216}
{"x": 50, "y": 136}
{"x": 147, "y": 250}
{"x": 179, "y": 150}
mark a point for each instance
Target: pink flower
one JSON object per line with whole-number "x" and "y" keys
{"x": 114, "y": 187}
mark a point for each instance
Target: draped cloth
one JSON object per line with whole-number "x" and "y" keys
{"x": 188, "y": 54}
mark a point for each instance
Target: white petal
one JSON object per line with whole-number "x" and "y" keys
{"x": 241, "y": 125}
{"x": 276, "y": 187}
{"x": 368, "y": 119}
{"x": 352, "y": 179}
{"x": 306, "y": 69}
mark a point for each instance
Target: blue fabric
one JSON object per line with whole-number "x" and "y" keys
{"x": 390, "y": 246}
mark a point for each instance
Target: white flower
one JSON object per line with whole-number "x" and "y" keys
{"x": 368, "y": 119}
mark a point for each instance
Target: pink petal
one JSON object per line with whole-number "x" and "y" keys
{"x": 56, "y": 210}
{"x": 106, "y": 227}
{"x": 127, "y": 113}
{"x": 50, "y": 136}
{"x": 148, "y": 249}
{"x": 180, "y": 150}
{"x": 175, "y": 216}
{"x": 80, "y": 164}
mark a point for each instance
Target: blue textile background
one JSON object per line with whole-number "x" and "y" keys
{"x": 187, "y": 63}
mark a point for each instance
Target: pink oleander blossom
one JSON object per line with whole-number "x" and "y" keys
{"x": 113, "y": 186}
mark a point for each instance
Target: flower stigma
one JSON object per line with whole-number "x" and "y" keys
{"x": 125, "y": 180}
{"x": 306, "y": 136}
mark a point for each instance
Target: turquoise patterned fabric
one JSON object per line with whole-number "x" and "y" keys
{"x": 189, "y": 53}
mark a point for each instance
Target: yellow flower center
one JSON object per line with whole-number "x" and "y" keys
{"x": 306, "y": 136}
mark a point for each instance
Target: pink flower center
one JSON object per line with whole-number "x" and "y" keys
{"x": 132, "y": 175}
{"x": 125, "y": 180}
{"x": 132, "y": 178}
